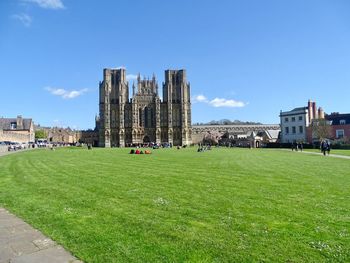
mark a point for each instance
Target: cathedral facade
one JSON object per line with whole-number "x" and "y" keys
{"x": 144, "y": 118}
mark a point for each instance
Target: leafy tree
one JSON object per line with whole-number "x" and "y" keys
{"x": 40, "y": 134}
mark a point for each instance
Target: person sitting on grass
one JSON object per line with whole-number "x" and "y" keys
{"x": 141, "y": 152}
{"x": 132, "y": 151}
{"x": 137, "y": 151}
{"x": 147, "y": 152}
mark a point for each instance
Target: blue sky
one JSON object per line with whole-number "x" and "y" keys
{"x": 245, "y": 60}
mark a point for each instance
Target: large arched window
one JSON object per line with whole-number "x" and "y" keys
{"x": 140, "y": 117}
{"x": 146, "y": 117}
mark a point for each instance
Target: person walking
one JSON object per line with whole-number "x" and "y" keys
{"x": 328, "y": 147}
{"x": 323, "y": 147}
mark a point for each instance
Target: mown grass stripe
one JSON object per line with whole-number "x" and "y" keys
{"x": 179, "y": 205}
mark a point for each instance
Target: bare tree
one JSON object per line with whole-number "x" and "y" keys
{"x": 321, "y": 129}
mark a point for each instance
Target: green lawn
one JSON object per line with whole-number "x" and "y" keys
{"x": 338, "y": 152}
{"x": 224, "y": 205}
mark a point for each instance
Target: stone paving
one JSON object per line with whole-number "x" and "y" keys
{"x": 21, "y": 243}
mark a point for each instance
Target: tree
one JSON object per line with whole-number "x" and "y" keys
{"x": 211, "y": 138}
{"x": 40, "y": 134}
{"x": 321, "y": 129}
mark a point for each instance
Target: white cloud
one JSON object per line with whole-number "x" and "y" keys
{"x": 199, "y": 98}
{"x": 131, "y": 77}
{"x": 48, "y": 4}
{"x": 24, "y": 18}
{"x": 220, "y": 102}
{"x": 66, "y": 94}
{"x": 120, "y": 67}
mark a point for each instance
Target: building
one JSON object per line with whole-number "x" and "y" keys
{"x": 229, "y": 133}
{"x": 17, "y": 129}
{"x": 62, "y": 135}
{"x": 89, "y": 137}
{"x": 144, "y": 118}
{"x": 340, "y": 126}
{"x": 59, "y": 135}
{"x": 295, "y": 123}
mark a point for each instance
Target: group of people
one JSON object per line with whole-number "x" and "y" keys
{"x": 325, "y": 147}
{"x": 297, "y": 146}
{"x": 204, "y": 148}
{"x": 149, "y": 145}
{"x": 138, "y": 151}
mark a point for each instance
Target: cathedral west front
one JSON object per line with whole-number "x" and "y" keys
{"x": 144, "y": 118}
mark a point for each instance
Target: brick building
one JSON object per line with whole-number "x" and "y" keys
{"x": 340, "y": 126}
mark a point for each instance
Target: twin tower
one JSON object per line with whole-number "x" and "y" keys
{"x": 144, "y": 118}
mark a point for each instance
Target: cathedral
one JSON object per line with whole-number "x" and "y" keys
{"x": 144, "y": 118}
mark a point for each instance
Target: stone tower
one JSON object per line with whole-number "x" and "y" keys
{"x": 114, "y": 97}
{"x": 176, "y": 97}
{"x": 144, "y": 118}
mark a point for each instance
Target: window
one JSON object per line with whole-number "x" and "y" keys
{"x": 300, "y": 118}
{"x": 286, "y": 119}
{"x": 342, "y": 122}
{"x": 293, "y": 118}
{"x": 293, "y": 130}
{"x": 301, "y": 130}
{"x": 287, "y": 130}
{"x": 339, "y": 134}
{"x": 13, "y": 125}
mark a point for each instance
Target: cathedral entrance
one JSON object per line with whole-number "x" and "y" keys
{"x": 146, "y": 139}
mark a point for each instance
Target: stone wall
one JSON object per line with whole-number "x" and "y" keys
{"x": 15, "y": 136}
{"x": 3, "y": 149}
{"x": 88, "y": 137}
{"x": 198, "y": 137}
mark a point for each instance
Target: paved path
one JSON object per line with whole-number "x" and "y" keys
{"x": 318, "y": 153}
{"x": 21, "y": 243}
{"x": 331, "y": 155}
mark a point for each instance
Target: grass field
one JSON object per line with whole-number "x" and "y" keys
{"x": 338, "y": 152}
{"x": 224, "y": 205}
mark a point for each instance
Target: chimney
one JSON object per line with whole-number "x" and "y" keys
{"x": 310, "y": 108}
{"x": 314, "y": 110}
{"x": 320, "y": 113}
{"x": 19, "y": 122}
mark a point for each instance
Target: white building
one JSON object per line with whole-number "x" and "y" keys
{"x": 294, "y": 123}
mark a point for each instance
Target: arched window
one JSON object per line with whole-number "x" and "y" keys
{"x": 140, "y": 117}
{"x": 146, "y": 117}
{"x": 151, "y": 118}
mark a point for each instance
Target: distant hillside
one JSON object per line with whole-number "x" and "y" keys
{"x": 228, "y": 122}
